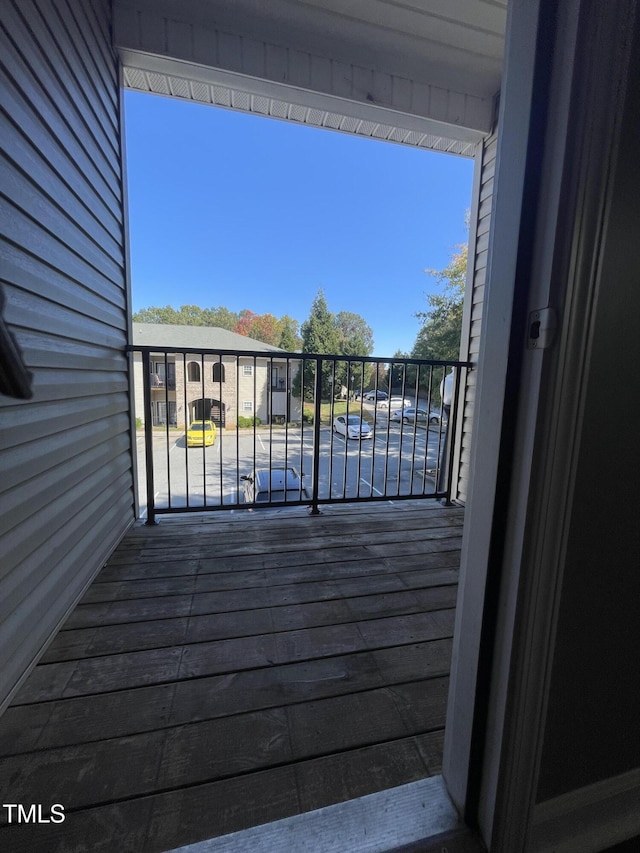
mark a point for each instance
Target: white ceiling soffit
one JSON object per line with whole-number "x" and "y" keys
{"x": 417, "y": 72}
{"x": 306, "y": 108}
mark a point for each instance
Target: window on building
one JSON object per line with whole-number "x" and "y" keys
{"x": 157, "y": 374}
{"x": 247, "y": 370}
{"x": 163, "y": 415}
{"x": 193, "y": 371}
{"x": 218, "y": 372}
{"x": 247, "y": 406}
{"x": 163, "y": 374}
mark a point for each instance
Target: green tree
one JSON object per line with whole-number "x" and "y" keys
{"x": 400, "y": 378}
{"x": 188, "y": 315}
{"x": 192, "y": 315}
{"x": 344, "y": 333}
{"x": 156, "y": 315}
{"x": 355, "y": 338}
{"x": 319, "y": 335}
{"x": 289, "y": 337}
{"x": 221, "y": 317}
{"x": 439, "y": 337}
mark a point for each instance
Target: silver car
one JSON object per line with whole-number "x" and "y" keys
{"x": 395, "y": 403}
{"x": 413, "y": 414}
{"x": 277, "y": 484}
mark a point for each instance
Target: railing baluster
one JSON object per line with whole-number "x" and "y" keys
{"x": 432, "y": 382}
{"x": 204, "y": 448}
{"x": 221, "y": 423}
{"x": 451, "y": 430}
{"x": 374, "y": 426}
{"x": 416, "y": 404}
{"x": 187, "y": 420}
{"x": 148, "y": 437}
{"x": 238, "y": 496}
{"x": 331, "y": 446}
{"x": 315, "y": 509}
{"x": 303, "y": 369}
{"x": 427, "y": 431}
{"x": 268, "y": 385}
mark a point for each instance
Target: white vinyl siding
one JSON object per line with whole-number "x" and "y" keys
{"x": 474, "y": 301}
{"x": 66, "y": 491}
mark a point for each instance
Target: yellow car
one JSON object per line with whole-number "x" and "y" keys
{"x": 201, "y": 434}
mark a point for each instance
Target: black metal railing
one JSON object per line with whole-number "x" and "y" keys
{"x": 335, "y": 429}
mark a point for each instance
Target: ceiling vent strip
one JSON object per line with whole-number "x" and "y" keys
{"x": 349, "y": 124}
{"x": 179, "y": 87}
{"x": 260, "y": 105}
{"x": 158, "y": 84}
{"x": 200, "y": 92}
{"x": 413, "y": 138}
{"x": 367, "y": 128}
{"x": 383, "y": 131}
{"x": 397, "y": 134}
{"x": 315, "y": 117}
{"x": 224, "y": 96}
{"x": 297, "y": 113}
{"x": 241, "y": 100}
{"x": 135, "y": 79}
{"x": 332, "y": 120}
{"x": 279, "y": 109}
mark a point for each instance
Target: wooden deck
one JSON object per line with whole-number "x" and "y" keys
{"x": 228, "y": 671}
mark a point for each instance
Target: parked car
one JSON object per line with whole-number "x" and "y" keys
{"x": 375, "y": 395}
{"x": 201, "y": 434}
{"x": 395, "y": 403}
{"x": 413, "y": 414}
{"x": 352, "y": 426}
{"x": 277, "y": 484}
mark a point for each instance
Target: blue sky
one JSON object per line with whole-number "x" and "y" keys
{"x": 248, "y": 212}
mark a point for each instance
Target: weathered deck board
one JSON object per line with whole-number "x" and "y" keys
{"x": 236, "y": 578}
{"x": 152, "y": 634}
{"x": 196, "y": 753}
{"x": 194, "y": 660}
{"x": 100, "y": 716}
{"x": 227, "y": 671}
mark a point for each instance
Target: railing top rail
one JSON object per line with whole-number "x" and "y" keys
{"x": 283, "y": 355}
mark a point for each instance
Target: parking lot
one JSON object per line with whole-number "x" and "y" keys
{"x": 397, "y": 460}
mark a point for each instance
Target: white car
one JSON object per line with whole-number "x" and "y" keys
{"x": 394, "y": 403}
{"x": 352, "y": 426}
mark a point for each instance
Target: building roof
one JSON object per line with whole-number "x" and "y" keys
{"x": 199, "y": 337}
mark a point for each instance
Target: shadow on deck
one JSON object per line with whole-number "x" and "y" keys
{"x": 227, "y": 671}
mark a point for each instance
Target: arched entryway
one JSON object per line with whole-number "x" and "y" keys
{"x": 207, "y": 409}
